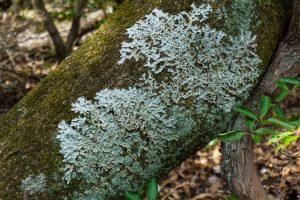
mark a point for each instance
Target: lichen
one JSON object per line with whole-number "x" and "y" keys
{"x": 203, "y": 63}
{"x": 114, "y": 130}
{"x": 194, "y": 73}
{"x": 241, "y": 16}
{"x": 34, "y": 184}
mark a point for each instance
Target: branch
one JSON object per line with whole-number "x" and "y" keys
{"x": 243, "y": 180}
{"x": 61, "y": 49}
{"x": 74, "y": 32}
{"x": 286, "y": 60}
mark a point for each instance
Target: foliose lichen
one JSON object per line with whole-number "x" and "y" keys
{"x": 34, "y": 184}
{"x": 203, "y": 63}
{"x": 194, "y": 73}
{"x": 241, "y": 16}
{"x": 115, "y": 129}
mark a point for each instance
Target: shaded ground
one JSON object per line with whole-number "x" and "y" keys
{"x": 199, "y": 177}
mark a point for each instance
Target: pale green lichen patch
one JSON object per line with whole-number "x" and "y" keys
{"x": 240, "y": 16}
{"x": 34, "y": 184}
{"x": 194, "y": 77}
{"x": 203, "y": 63}
{"x": 120, "y": 126}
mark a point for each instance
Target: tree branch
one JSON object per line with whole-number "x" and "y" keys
{"x": 74, "y": 32}
{"x": 238, "y": 160}
{"x": 61, "y": 49}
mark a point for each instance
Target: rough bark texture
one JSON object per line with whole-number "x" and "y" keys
{"x": 243, "y": 180}
{"x": 238, "y": 167}
{"x": 27, "y": 141}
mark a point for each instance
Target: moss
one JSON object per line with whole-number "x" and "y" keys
{"x": 27, "y": 144}
{"x": 271, "y": 28}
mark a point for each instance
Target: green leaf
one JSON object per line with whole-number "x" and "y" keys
{"x": 246, "y": 112}
{"x": 277, "y": 110}
{"x": 295, "y": 121}
{"x": 231, "y": 136}
{"x": 288, "y": 80}
{"x": 296, "y": 86}
{"x": 281, "y": 95}
{"x": 276, "y": 137}
{"x": 211, "y": 143}
{"x": 264, "y": 106}
{"x": 232, "y": 197}
{"x": 152, "y": 190}
{"x": 256, "y": 138}
{"x": 281, "y": 123}
{"x": 132, "y": 196}
{"x": 262, "y": 131}
{"x": 250, "y": 123}
{"x": 289, "y": 139}
{"x": 282, "y": 85}
{"x": 279, "y": 147}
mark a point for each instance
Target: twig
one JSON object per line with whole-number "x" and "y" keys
{"x": 287, "y": 153}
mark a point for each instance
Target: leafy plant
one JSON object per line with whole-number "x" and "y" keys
{"x": 285, "y": 131}
{"x": 232, "y": 197}
{"x": 148, "y": 190}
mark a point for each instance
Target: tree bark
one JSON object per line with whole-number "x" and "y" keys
{"x": 28, "y": 144}
{"x": 238, "y": 162}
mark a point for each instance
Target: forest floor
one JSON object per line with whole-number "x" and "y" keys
{"x": 200, "y": 178}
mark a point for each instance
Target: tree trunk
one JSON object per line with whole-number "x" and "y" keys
{"x": 243, "y": 180}
{"x": 148, "y": 124}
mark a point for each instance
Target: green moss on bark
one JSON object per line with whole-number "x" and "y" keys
{"x": 271, "y": 27}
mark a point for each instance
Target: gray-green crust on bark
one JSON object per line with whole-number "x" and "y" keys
{"x": 27, "y": 137}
